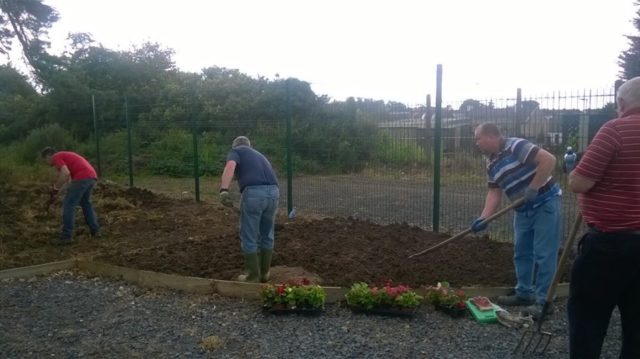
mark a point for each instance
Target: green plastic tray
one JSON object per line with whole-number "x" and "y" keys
{"x": 483, "y": 316}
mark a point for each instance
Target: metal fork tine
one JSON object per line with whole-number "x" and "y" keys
{"x": 547, "y": 344}
{"x": 540, "y": 338}
{"x": 533, "y": 342}
{"x": 523, "y": 343}
{"x": 531, "y": 339}
{"x": 515, "y": 350}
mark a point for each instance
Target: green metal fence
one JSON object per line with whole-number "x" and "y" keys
{"x": 383, "y": 162}
{"x": 553, "y": 121}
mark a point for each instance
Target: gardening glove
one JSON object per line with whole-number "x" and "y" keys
{"x": 225, "y": 199}
{"x": 478, "y": 225}
{"x": 530, "y": 194}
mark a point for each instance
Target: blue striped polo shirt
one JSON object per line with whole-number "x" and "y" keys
{"x": 513, "y": 168}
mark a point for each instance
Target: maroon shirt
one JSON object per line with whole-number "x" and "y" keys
{"x": 78, "y": 166}
{"x": 612, "y": 161}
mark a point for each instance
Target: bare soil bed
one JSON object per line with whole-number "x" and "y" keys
{"x": 148, "y": 231}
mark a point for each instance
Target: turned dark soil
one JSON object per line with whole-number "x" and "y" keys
{"x": 145, "y": 230}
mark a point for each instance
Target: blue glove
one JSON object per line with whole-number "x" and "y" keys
{"x": 478, "y": 225}
{"x": 530, "y": 194}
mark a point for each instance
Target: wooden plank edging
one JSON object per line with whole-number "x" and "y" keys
{"x": 145, "y": 278}
{"x": 39, "y": 269}
{"x": 199, "y": 285}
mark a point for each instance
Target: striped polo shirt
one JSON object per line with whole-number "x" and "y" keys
{"x": 612, "y": 161}
{"x": 512, "y": 170}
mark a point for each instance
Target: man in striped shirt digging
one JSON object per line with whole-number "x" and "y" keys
{"x": 518, "y": 168}
{"x": 606, "y": 272}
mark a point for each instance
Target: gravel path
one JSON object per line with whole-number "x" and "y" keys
{"x": 72, "y": 315}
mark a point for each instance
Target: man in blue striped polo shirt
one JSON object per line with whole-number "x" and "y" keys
{"x": 518, "y": 168}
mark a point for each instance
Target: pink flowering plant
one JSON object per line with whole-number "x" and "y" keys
{"x": 293, "y": 295}
{"x": 442, "y": 295}
{"x": 360, "y": 295}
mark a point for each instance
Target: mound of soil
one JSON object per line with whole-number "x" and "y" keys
{"x": 148, "y": 231}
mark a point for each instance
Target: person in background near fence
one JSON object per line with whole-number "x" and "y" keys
{"x": 569, "y": 161}
{"x": 606, "y": 271}
{"x": 76, "y": 177}
{"x": 258, "y": 205}
{"x": 520, "y": 169}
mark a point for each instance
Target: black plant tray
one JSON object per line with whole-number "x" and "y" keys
{"x": 285, "y": 310}
{"x": 392, "y": 312}
{"x": 453, "y": 312}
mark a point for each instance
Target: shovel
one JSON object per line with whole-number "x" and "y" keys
{"x": 469, "y": 230}
{"x": 537, "y": 341}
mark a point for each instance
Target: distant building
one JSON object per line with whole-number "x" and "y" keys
{"x": 546, "y": 127}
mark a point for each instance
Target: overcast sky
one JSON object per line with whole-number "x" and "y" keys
{"x": 376, "y": 49}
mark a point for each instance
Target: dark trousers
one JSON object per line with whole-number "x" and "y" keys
{"x": 605, "y": 274}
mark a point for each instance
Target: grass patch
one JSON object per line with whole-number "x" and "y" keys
{"x": 211, "y": 343}
{"x": 174, "y": 187}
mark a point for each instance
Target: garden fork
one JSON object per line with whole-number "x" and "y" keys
{"x": 537, "y": 341}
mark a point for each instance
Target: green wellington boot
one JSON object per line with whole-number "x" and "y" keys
{"x": 265, "y": 264}
{"x": 251, "y": 267}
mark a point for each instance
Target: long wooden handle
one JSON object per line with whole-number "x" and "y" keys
{"x": 563, "y": 258}
{"x": 469, "y": 230}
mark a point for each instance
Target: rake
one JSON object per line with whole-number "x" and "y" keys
{"x": 537, "y": 341}
{"x": 469, "y": 230}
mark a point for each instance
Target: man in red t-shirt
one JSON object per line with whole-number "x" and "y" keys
{"x": 77, "y": 178}
{"x": 606, "y": 272}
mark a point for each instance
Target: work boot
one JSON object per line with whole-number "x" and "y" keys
{"x": 252, "y": 269}
{"x": 514, "y": 300}
{"x": 535, "y": 310}
{"x": 265, "y": 264}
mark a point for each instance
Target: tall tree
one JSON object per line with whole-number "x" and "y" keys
{"x": 28, "y": 21}
{"x": 19, "y": 104}
{"x": 629, "y": 60}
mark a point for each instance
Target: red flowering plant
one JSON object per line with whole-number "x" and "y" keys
{"x": 442, "y": 295}
{"x": 293, "y": 295}
{"x": 360, "y": 295}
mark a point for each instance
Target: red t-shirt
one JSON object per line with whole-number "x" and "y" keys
{"x": 78, "y": 166}
{"x": 612, "y": 160}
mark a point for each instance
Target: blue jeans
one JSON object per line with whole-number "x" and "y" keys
{"x": 78, "y": 192}
{"x": 537, "y": 240}
{"x": 258, "y": 208}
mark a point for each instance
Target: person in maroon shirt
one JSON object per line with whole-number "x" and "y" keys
{"x": 606, "y": 271}
{"x": 76, "y": 177}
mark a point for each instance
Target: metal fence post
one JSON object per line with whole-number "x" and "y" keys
{"x": 97, "y": 134}
{"x": 517, "y": 132}
{"x": 289, "y": 150}
{"x": 196, "y": 157}
{"x": 427, "y": 120}
{"x": 437, "y": 151}
{"x": 129, "y": 147}
{"x": 616, "y": 87}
